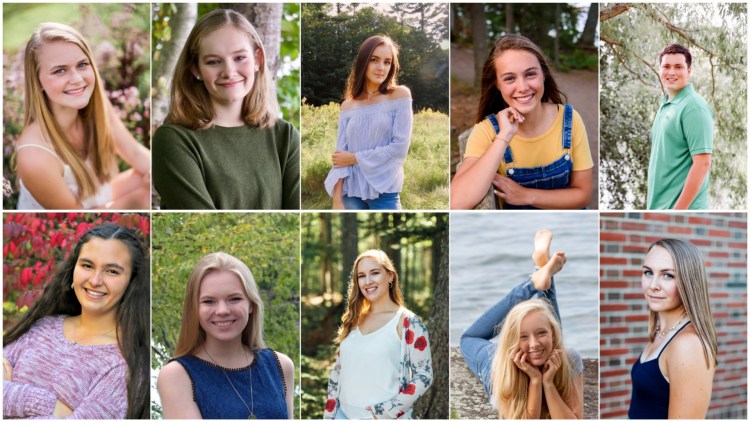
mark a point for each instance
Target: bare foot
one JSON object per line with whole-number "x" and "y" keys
{"x": 542, "y": 240}
{"x": 542, "y": 278}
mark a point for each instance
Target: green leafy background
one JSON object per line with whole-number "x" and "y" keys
{"x": 267, "y": 243}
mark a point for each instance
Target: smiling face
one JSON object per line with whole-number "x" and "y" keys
{"x": 373, "y": 280}
{"x": 379, "y": 65}
{"x": 227, "y": 64}
{"x": 674, "y": 72}
{"x": 659, "y": 281}
{"x": 536, "y": 338}
{"x": 223, "y": 306}
{"x": 520, "y": 79}
{"x": 101, "y": 275}
{"x": 65, "y": 74}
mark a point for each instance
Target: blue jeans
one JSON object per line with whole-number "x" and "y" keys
{"x": 476, "y": 347}
{"x": 386, "y": 201}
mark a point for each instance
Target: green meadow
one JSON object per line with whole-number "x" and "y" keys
{"x": 425, "y": 168}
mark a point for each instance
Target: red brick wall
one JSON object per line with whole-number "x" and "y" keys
{"x": 624, "y": 316}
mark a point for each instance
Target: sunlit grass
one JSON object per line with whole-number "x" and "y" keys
{"x": 425, "y": 169}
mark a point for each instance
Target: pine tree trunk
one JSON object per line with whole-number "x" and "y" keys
{"x": 434, "y": 404}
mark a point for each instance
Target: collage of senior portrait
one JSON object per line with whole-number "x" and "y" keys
{"x": 378, "y": 210}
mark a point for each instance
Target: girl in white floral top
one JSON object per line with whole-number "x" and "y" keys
{"x": 384, "y": 363}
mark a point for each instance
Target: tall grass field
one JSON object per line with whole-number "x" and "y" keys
{"x": 425, "y": 169}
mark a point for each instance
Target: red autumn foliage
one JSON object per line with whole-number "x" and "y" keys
{"x": 34, "y": 244}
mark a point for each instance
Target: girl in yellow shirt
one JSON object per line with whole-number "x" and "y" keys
{"x": 527, "y": 144}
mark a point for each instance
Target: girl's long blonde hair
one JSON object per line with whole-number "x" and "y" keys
{"x": 100, "y": 145}
{"x": 692, "y": 285}
{"x": 356, "y": 304}
{"x": 510, "y": 385}
{"x": 190, "y": 103}
{"x": 192, "y": 335}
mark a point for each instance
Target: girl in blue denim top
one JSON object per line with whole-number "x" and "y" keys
{"x": 222, "y": 369}
{"x": 528, "y": 373}
{"x": 374, "y": 132}
{"x": 384, "y": 362}
{"x": 528, "y": 145}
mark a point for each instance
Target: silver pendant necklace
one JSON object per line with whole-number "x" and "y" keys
{"x": 251, "y": 408}
{"x": 661, "y": 334}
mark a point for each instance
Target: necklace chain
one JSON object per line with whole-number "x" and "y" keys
{"x": 661, "y": 334}
{"x": 251, "y": 414}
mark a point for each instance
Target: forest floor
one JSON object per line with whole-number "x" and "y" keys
{"x": 580, "y": 86}
{"x": 469, "y": 401}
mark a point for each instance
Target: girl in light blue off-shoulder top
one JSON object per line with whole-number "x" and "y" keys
{"x": 374, "y": 132}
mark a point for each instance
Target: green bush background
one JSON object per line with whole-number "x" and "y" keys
{"x": 267, "y": 243}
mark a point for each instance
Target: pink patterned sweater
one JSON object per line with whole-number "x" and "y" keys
{"x": 91, "y": 379}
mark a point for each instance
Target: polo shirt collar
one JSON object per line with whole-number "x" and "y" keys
{"x": 687, "y": 90}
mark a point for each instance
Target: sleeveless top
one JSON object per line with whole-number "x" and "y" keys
{"x": 216, "y": 399}
{"x": 650, "y": 398}
{"x": 26, "y": 200}
{"x": 370, "y": 368}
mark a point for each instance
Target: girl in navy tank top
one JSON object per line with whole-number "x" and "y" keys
{"x": 673, "y": 376}
{"x": 221, "y": 368}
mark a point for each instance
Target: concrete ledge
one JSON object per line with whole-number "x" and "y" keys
{"x": 469, "y": 401}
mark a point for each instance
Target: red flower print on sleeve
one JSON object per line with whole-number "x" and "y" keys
{"x": 400, "y": 414}
{"x": 410, "y": 389}
{"x": 406, "y": 322}
{"x": 330, "y": 405}
{"x": 421, "y": 343}
{"x": 409, "y": 336}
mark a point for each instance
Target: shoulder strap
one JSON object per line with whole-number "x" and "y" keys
{"x": 44, "y": 148}
{"x": 186, "y": 364}
{"x": 567, "y": 135}
{"x": 670, "y": 339}
{"x": 278, "y": 365}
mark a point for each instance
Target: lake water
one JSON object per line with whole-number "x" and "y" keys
{"x": 490, "y": 253}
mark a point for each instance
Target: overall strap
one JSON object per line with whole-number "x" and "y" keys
{"x": 32, "y": 145}
{"x": 507, "y": 156}
{"x": 567, "y": 126}
{"x": 670, "y": 339}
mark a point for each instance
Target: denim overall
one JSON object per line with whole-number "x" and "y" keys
{"x": 547, "y": 177}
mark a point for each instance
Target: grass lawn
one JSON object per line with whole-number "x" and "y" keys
{"x": 425, "y": 169}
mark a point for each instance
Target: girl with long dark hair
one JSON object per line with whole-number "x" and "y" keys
{"x": 82, "y": 349}
{"x": 374, "y": 132}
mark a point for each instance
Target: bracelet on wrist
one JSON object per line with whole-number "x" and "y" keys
{"x": 506, "y": 141}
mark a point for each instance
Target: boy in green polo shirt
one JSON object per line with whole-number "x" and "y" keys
{"x": 681, "y": 138}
